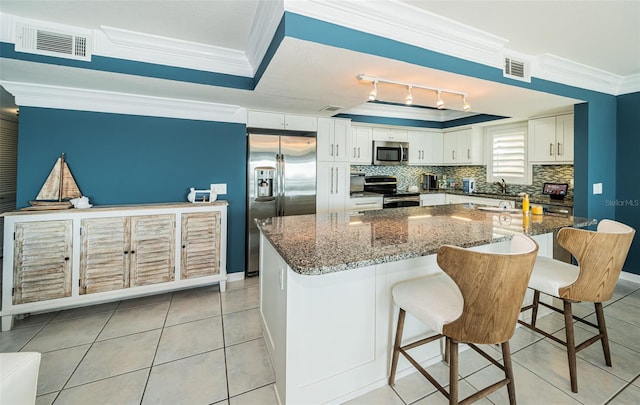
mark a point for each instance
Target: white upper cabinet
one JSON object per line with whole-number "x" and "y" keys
{"x": 425, "y": 147}
{"x": 333, "y": 140}
{"x": 269, "y": 120}
{"x": 390, "y": 134}
{"x": 551, "y": 139}
{"x": 361, "y": 145}
{"x": 464, "y": 147}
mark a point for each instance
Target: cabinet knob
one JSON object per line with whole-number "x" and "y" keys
{"x": 133, "y": 251}
{"x": 66, "y": 258}
{"x": 126, "y": 252}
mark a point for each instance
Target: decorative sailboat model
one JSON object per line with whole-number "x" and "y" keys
{"x": 57, "y": 190}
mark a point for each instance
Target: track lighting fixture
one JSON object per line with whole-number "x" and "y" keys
{"x": 465, "y": 104}
{"x": 374, "y": 92}
{"x": 373, "y": 95}
{"x": 409, "y": 99}
{"x": 440, "y": 103}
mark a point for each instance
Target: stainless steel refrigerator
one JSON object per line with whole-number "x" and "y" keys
{"x": 281, "y": 180}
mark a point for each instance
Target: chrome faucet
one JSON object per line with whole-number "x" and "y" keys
{"x": 503, "y": 186}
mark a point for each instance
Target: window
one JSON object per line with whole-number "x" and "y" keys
{"x": 508, "y": 154}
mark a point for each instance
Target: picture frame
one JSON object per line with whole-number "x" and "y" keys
{"x": 199, "y": 196}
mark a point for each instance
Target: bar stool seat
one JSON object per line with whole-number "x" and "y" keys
{"x": 476, "y": 300}
{"x": 550, "y": 275}
{"x": 434, "y": 300}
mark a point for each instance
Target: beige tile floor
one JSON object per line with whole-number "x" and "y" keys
{"x": 201, "y": 346}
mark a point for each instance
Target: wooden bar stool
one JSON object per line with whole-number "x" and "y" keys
{"x": 475, "y": 301}
{"x": 600, "y": 256}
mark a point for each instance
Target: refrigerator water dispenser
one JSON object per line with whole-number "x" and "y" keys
{"x": 264, "y": 183}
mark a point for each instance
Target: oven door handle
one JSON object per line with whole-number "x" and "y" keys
{"x": 389, "y": 200}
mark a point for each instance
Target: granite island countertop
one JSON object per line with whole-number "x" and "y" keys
{"x": 326, "y": 243}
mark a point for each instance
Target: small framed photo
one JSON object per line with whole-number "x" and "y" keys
{"x": 199, "y": 196}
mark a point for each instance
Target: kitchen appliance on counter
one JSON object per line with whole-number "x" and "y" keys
{"x": 281, "y": 180}
{"x": 468, "y": 184}
{"x": 357, "y": 182}
{"x": 430, "y": 181}
{"x": 391, "y": 197}
{"x": 390, "y": 153}
{"x": 555, "y": 191}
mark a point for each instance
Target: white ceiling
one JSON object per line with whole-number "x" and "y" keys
{"x": 304, "y": 77}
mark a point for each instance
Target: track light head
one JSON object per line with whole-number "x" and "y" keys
{"x": 409, "y": 99}
{"x": 440, "y": 103}
{"x": 374, "y": 93}
{"x": 465, "y": 104}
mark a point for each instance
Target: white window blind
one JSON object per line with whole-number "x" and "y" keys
{"x": 508, "y": 158}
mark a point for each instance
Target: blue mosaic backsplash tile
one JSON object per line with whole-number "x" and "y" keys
{"x": 411, "y": 176}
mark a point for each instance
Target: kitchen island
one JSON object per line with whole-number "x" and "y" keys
{"x": 325, "y": 288}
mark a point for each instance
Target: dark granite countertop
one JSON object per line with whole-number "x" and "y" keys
{"x": 327, "y": 243}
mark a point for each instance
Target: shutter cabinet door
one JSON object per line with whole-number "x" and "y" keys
{"x": 200, "y": 244}
{"x": 104, "y": 254}
{"x": 152, "y": 249}
{"x": 42, "y": 264}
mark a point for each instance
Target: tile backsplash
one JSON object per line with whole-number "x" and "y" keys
{"x": 411, "y": 175}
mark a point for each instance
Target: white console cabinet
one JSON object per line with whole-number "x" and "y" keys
{"x": 59, "y": 259}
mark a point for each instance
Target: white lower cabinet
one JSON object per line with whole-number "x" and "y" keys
{"x": 492, "y": 202}
{"x": 432, "y": 199}
{"x": 358, "y": 204}
{"x": 67, "y": 258}
{"x": 332, "y": 186}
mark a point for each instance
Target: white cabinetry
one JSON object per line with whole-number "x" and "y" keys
{"x": 332, "y": 186}
{"x": 425, "y": 147}
{"x": 432, "y": 199}
{"x": 361, "y": 144}
{"x": 270, "y": 120}
{"x": 551, "y": 139}
{"x": 332, "y": 181}
{"x": 69, "y": 258}
{"x": 492, "y": 202}
{"x": 464, "y": 147}
{"x": 390, "y": 134}
{"x": 333, "y": 140}
{"x": 358, "y": 204}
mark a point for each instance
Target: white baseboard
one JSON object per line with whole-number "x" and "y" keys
{"x": 237, "y": 276}
{"x": 625, "y": 275}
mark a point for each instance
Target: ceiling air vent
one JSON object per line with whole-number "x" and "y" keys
{"x": 332, "y": 108}
{"x": 52, "y": 42}
{"x": 516, "y": 69}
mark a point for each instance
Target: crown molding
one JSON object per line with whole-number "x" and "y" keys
{"x": 265, "y": 23}
{"x": 131, "y": 45}
{"x": 415, "y": 26}
{"x": 67, "y": 98}
{"x": 407, "y": 24}
{"x": 629, "y": 84}
{"x": 557, "y": 69}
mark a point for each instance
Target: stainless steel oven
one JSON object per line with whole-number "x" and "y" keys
{"x": 388, "y": 187}
{"x": 400, "y": 200}
{"x": 390, "y": 153}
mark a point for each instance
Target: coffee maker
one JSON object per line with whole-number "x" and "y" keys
{"x": 429, "y": 181}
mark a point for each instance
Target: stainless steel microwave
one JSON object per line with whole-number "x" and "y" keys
{"x": 390, "y": 153}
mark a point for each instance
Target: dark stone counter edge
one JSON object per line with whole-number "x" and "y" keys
{"x": 318, "y": 271}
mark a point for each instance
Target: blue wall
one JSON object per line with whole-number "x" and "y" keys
{"x": 121, "y": 159}
{"x": 627, "y": 203}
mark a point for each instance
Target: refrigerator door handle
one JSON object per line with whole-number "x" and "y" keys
{"x": 282, "y": 185}
{"x": 277, "y": 185}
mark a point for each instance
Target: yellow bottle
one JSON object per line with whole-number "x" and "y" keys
{"x": 525, "y": 204}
